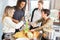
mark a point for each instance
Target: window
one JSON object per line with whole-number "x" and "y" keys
{"x": 33, "y": 4}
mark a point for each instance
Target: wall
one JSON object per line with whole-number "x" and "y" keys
{"x": 2, "y": 6}
{"x": 55, "y": 4}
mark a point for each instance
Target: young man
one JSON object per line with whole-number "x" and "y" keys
{"x": 19, "y": 11}
{"x": 47, "y": 23}
{"x": 36, "y": 14}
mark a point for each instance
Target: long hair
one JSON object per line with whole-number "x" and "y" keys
{"x": 18, "y": 4}
{"x": 7, "y": 10}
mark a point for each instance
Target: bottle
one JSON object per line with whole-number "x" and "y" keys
{"x": 26, "y": 27}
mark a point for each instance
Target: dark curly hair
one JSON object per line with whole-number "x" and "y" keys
{"x": 46, "y": 11}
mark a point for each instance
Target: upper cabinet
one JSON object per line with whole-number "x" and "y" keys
{"x": 57, "y": 4}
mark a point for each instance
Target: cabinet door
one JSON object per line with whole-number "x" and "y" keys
{"x": 57, "y": 2}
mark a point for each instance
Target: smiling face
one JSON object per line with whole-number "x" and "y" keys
{"x": 40, "y": 4}
{"x": 11, "y": 12}
{"x": 22, "y": 5}
{"x": 43, "y": 14}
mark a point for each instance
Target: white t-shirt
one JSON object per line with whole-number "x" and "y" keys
{"x": 37, "y": 16}
{"x": 10, "y": 26}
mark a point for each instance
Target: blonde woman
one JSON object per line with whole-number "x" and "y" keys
{"x": 9, "y": 25}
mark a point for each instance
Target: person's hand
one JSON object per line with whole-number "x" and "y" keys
{"x": 23, "y": 18}
{"x": 29, "y": 23}
{"x": 34, "y": 24}
{"x": 15, "y": 21}
{"x": 32, "y": 30}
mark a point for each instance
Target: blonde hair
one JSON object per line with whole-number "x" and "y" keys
{"x": 7, "y": 10}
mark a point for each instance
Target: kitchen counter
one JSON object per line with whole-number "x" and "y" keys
{"x": 57, "y": 23}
